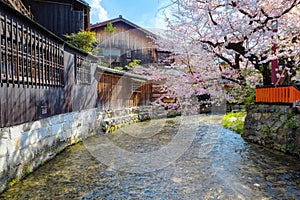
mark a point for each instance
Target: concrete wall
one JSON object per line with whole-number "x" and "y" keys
{"x": 274, "y": 126}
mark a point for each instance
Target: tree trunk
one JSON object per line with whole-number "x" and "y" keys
{"x": 266, "y": 73}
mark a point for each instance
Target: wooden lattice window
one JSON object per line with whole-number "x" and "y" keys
{"x": 28, "y": 57}
{"x": 82, "y": 70}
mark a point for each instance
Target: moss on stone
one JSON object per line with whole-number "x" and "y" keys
{"x": 266, "y": 130}
{"x": 275, "y": 129}
{"x": 27, "y": 170}
{"x": 13, "y": 181}
{"x": 293, "y": 124}
{"x": 283, "y": 148}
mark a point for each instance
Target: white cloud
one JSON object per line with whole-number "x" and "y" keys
{"x": 98, "y": 13}
{"x": 162, "y": 12}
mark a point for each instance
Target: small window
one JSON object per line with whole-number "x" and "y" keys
{"x": 83, "y": 71}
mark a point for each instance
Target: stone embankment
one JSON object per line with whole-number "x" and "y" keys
{"x": 25, "y": 147}
{"x": 274, "y": 126}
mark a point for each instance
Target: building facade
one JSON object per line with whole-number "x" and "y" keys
{"x": 127, "y": 43}
{"x": 60, "y": 17}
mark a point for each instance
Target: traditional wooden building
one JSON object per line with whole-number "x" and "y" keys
{"x": 60, "y": 17}
{"x": 41, "y": 75}
{"x": 128, "y": 42}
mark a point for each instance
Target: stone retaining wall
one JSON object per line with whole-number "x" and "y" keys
{"x": 25, "y": 147}
{"x": 276, "y": 127}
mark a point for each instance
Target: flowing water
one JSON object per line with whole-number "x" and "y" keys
{"x": 176, "y": 158}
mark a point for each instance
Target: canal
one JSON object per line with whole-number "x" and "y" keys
{"x": 176, "y": 158}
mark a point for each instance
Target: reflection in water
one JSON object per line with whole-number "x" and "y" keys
{"x": 218, "y": 165}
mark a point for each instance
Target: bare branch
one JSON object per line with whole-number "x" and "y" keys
{"x": 212, "y": 19}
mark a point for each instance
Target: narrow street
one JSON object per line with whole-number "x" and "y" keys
{"x": 146, "y": 161}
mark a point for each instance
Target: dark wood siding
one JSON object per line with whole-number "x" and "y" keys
{"x": 61, "y": 17}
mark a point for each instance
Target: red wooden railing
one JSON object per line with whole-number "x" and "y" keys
{"x": 282, "y": 94}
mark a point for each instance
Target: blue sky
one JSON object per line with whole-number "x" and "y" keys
{"x": 144, "y": 13}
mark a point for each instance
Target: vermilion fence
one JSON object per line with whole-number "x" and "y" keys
{"x": 281, "y": 94}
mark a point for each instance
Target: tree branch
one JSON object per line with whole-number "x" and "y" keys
{"x": 239, "y": 82}
{"x": 212, "y": 19}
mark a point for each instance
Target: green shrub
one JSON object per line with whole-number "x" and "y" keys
{"x": 234, "y": 121}
{"x": 83, "y": 40}
{"x": 132, "y": 64}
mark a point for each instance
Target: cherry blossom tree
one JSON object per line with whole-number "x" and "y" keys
{"x": 240, "y": 32}
{"x": 215, "y": 40}
{"x": 186, "y": 79}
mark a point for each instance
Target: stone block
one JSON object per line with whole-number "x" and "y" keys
{"x": 57, "y": 119}
{"x": 66, "y": 126}
{"x": 14, "y": 159}
{"x": 25, "y": 140}
{"x": 11, "y": 147}
{"x": 69, "y": 133}
{"x": 36, "y": 125}
{"x": 256, "y": 116}
{"x": 266, "y": 115}
{"x": 68, "y": 117}
{"x": 43, "y": 133}
{"x": 62, "y": 136}
{"x": 4, "y": 145}
{"x": 83, "y": 130}
{"x": 16, "y": 132}
{"x": 34, "y": 136}
{"x": 4, "y": 133}
{"x": 28, "y": 153}
{"x": 3, "y": 163}
{"x": 56, "y": 129}
{"x": 49, "y": 141}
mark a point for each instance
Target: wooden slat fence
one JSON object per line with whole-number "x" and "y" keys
{"x": 117, "y": 91}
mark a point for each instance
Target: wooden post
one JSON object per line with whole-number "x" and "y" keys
{"x": 6, "y": 51}
{"x": 22, "y": 55}
{"x": 17, "y": 54}
{"x": 1, "y": 50}
{"x": 12, "y": 64}
{"x": 38, "y": 59}
{"x": 27, "y": 57}
{"x": 31, "y": 58}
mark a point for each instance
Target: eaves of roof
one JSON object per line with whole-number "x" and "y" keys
{"x": 83, "y": 2}
{"x": 121, "y": 73}
{"x": 121, "y": 19}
